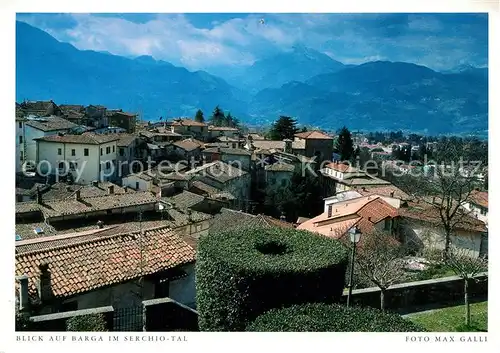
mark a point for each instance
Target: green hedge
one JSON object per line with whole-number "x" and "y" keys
{"x": 86, "y": 323}
{"x": 241, "y": 274}
{"x": 330, "y": 318}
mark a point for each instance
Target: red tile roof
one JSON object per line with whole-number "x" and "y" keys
{"x": 82, "y": 267}
{"x": 317, "y": 135}
{"x": 479, "y": 198}
{"x": 187, "y": 122}
{"x": 85, "y": 138}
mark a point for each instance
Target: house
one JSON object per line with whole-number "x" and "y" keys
{"x": 367, "y": 213}
{"x": 85, "y": 157}
{"x": 317, "y": 144}
{"x": 96, "y": 116}
{"x": 126, "y": 154}
{"x": 224, "y": 177}
{"x": 21, "y": 143}
{"x": 478, "y": 205}
{"x": 190, "y": 128}
{"x": 74, "y": 113}
{"x": 279, "y": 174}
{"x": 219, "y": 131}
{"x": 121, "y": 119}
{"x": 422, "y": 227}
{"x": 188, "y": 149}
{"x": 60, "y": 190}
{"x": 40, "y": 108}
{"x": 337, "y": 177}
{"x": 37, "y": 127}
{"x": 189, "y": 200}
{"x": 78, "y": 207}
{"x": 294, "y": 147}
{"x": 94, "y": 273}
{"x": 237, "y": 157}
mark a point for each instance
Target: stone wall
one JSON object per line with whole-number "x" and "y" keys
{"x": 411, "y": 297}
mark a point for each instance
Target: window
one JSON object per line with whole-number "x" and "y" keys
{"x": 108, "y": 212}
{"x": 483, "y": 211}
{"x": 108, "y": 164}
{"x": 108, "y": 150}
{"x": 20, "y": 125}
{"x": 20, "y": 139}
{"x": 137, "y": 185}
{"x": 101, "y": 151}
{"x": 59, "y": 151}
{"x": 22, "y": 156}
{"x": 162, "y": 288}
{"x": 73, "y": 165}
{"x": 122, "y": 152}
{"x": 73, "y": 152}
{"x": 61, "y": 165}
{"x": 113, "y": 148}
{"x": 85, "y": 151}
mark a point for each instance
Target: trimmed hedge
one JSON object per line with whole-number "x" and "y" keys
{"x": 86, "y": 323}
{"x": 316, "y": 317}
{"x": 243, "y": 273}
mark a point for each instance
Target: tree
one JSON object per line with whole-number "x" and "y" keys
{"x": 344, "y": 144}
{"x": 283, "y": 128}
{"x": 466, "y": 265}
{"x": 379, "y": 260}
{"x": 446, "y": 190}
{"x": 231, "y": 121}
{"x": 304, "y": 129}
{"x": 218, "y": 118}
{"x": 199, "y": 116}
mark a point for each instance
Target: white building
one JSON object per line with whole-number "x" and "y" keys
{"x": 36, "y": 127}
{"x": 86, "y": 157}
{"x": 20, "y": 143}
{"x": 478, "y": 205}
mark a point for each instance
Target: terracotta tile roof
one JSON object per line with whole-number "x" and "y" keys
{"x": 86, "y": 138}
{"x": 364, "y": 212}
{"x": 82, "y": 267}
{"x": 255, "y": 137}
{"x": 51, "y": 123}
{"x": 59, "y": 191}
{"x": 222, "y": 128}
{"x": 184, "y": 199}
{"x": 231, "y": 151}
{"x": 388, "y": 191}
{"x": 56, "y": 208}
{"x": 268, "y": 144}
{"x": 187, "y": 145}
{"x": 182, "y": 217}
{"x": 341, "y": 167}
{"x": 280, "y": 167}
{"x": 479, "y": 198}
{"x": 317, "y": 135}
{"x": 218, "y": 170}
{"x": 229, "y": 219}
{"x": 424, "y": 212}
{"x": 124, "y": 139}
{"x": 227, "y": 139}
{"x": 187, "y": 122}
{"x": 204, "y": 188}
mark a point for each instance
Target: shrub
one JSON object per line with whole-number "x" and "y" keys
{"x": 241, "y": 274}
{"x": 316, "y": 317}
{"x": 86, "y": 323}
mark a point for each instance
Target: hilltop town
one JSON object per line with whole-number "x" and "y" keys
{"x": 104, "y": 199}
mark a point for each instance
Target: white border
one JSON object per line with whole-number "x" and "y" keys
{"x": 220, "y": 341}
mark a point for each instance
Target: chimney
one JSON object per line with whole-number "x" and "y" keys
{"x": 68, "y": 188}
{"x": 23, "y": 292}
{"x": 392, "y": 193}
{"x": 288, "y": 145}
{"x": 188, "y": 212}
{"x": 330, "y": 208}
{"x": 363, "y": 188}
{"x": 38, "y": 196}
{"x": 125, "y": 188}
{"x": 369, "y": 219}
{"x": 111, "y": 189}
{"x": 95, "y": 183}
{"x": 43, "y": 283}
{"x": 77, "y": 195}
{"x": 282, "y": 217}
{"x": 100, "y": 224}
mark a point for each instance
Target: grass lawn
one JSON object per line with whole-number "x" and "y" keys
{"x": 453, "y": 319}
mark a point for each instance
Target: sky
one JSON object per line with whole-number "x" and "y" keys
{"x": 215, "y": 40}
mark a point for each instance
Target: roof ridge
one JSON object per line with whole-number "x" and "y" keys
{"x": 86, "y": 242}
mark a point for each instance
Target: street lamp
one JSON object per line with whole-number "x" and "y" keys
{"x": 354, "y": 236}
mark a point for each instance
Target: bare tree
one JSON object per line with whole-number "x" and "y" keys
{"x": 380, "y": 260}
{"x": 445, "y": 186}
{"x": 467, "y": 265}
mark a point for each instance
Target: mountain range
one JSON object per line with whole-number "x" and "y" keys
{"x": 303, "y": 83}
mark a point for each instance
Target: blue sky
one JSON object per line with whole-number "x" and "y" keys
{"x": 202, "y": 41}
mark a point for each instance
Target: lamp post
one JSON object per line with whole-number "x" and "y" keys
{"x": 355, "y": 236}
